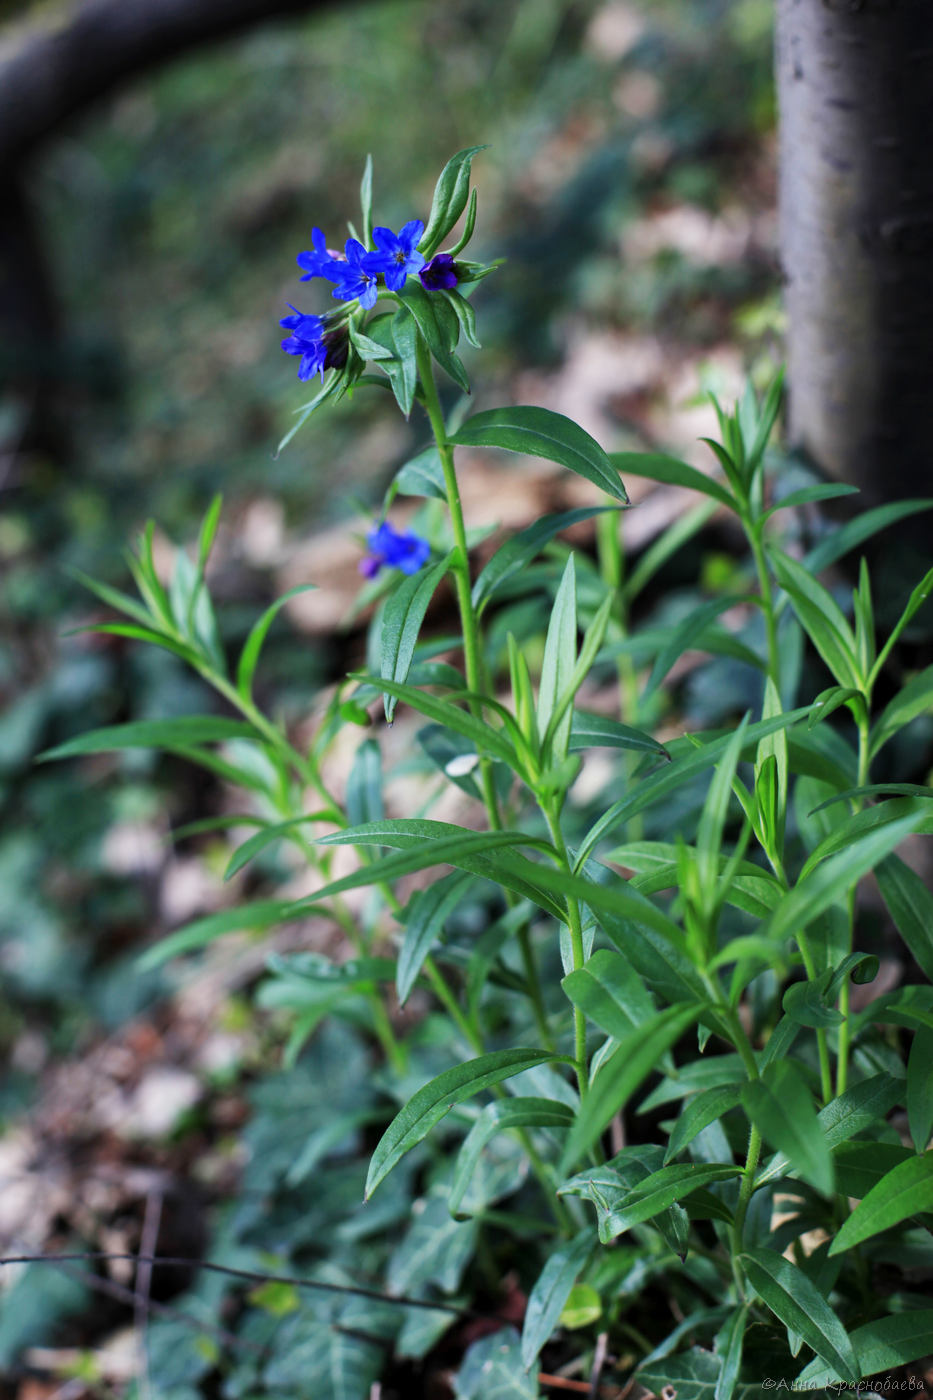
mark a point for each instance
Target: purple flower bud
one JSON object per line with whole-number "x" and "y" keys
{"x": 441, "y": 273}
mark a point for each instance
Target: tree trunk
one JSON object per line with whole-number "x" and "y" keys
{"x": 855, "y": 88}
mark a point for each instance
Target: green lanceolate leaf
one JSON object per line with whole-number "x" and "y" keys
{"x": 858, "y": 1108}
{"x": 660, "y": 1190}
{"x": 622, "y": 1074}
{"x": 267, "y": 836}
{"x": 835, "y": 876}
{"x": 401, "y": 622}
{"x": 697, "y": 1114}
{"x": 861, "y": 1166}
{"x": 588, "y": 731}
{"x": 560, "y": 652}
{"x": 807, "y": 495}
{"x": 686, "y": 636}
{"x": 729, "y": 1342}
{"x": 512, "y": 557}
{"x": 438, "y": 332}
{"x": 913, "y": 699}
{"x": 853, "y": 533}
{"x": 489, "y": 741}
{"x": 249, "y": 656}
{"x": 263, "y": 913}
{"x": 610, "y": 992}
{"x": 403, "y": 370}
{"x": 430, "y": 1104}
{"x": 910, "y": 905}
{"x": 169, "y": 734}
{"x": 424, "y": 922}
{"x": 920, "y": 1088}
{"x": 848, "y": 828}
{"x": 793, "y": 1298}
{"x": 549, "y": 1294}
{"x": 366, "y": 200}
{"x": 114, "y": 598}
{"x": 496, "y": 1118}
{"x": 906, "y": 1190}
{"x": 683, "y": 768}
{"x": 450, "y": 197}
{"x": 672, "y": 472}
{"x": 879, "y": 1346}
{"x": 422, "y": 844}
{"x": 781, "y": 1107}
{"x": 539, "y": 432}
{"x": 364, "y": 785}
{"x": 821, "y": 618}
{"x": 422, "y": 476}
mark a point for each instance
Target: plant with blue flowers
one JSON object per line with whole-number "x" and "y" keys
{"x": 647, "y": 1073}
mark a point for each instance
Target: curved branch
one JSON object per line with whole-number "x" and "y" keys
{"x": 55, "y": 66}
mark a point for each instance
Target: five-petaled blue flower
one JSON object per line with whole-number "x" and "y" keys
{"x": 321, "y": 262}
{"x": 357, "y": 278}
{"x": 396, "y": 254}
{"x": 440, "y": 273}
{"x": 400, "y": 551}
{"x": 306, "y": 340}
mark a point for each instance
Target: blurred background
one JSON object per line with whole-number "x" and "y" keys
{"x": 629, "y": 183}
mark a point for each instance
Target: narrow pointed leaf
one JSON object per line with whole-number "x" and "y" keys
{"x": 450, "y": 196}
{"x": 800, "y": 1306}
{"x": 625, "y": 1071}
{"x": 424, "y": 922}
{"x": 589, "y": 731}
{"x": 267, "y": 836}
{"x": 512, "y": 557}
{"x": 910, "y": 905}
{"x": 697, "y": 1114}
{"x": 539, "y": 432}
{"x": 549, "y": 1294}
{"x": 496, "y": 1118}
{"x": 906, "y": 1190}
{"x": 672, "y": 472}
{"x": 782, "y": 1109}
{"x": 430, "y": 1104}
{"x": 184, "y": 732}
{"x": 865, "y": 525}
{"x": 880, "y": 1346}
{"x": 560, "y": 650}
{"x": 246, "y": 667}
{"x": 486, "y": 739}
{"x": 401, "y": 622}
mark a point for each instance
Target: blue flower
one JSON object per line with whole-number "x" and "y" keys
{"x": 306, "y": 340}
{"x": 356, "y": 277}
{"x": 397, "y": 254}
{"x": 321, "y": 262}
{"x": 398, "y": 551}
{"x": 440, "y": 273}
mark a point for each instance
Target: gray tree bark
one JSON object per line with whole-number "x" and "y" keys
{"x": 855, "y": 90}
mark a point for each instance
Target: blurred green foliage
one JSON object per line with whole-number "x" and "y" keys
{"x": 172, "y": 216}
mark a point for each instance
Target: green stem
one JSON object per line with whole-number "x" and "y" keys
{"x": 577, "y": 952}
{"x": 472, "y": 654}
{"x": 845, "y": 1034}
{"x": 767, "y": 599}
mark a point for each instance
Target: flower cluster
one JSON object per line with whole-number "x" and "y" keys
{"x": 356, "y": 273}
